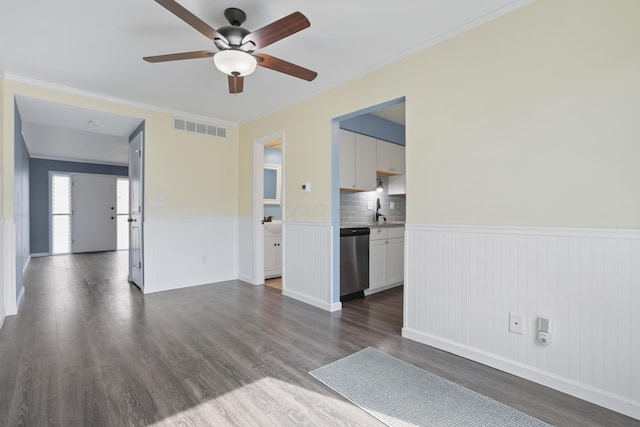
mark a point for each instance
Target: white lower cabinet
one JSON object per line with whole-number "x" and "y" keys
{"x": 395, "y": 261}
{"x": 386, "y": 258}
{"x": 272, "y": 256}
{"x": 377, "y": 263}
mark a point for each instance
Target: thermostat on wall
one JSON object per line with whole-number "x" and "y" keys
{"x": 305, "y": 186}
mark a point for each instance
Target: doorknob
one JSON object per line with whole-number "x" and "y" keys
{"x": 131, "y": 220}
{"x": 111, "y": 217}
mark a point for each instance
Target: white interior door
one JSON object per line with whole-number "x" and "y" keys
{"x": 93, "y": 213}
{"x": 135, "y": 211}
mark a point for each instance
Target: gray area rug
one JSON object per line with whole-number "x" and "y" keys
{"x": 400, "y": 394}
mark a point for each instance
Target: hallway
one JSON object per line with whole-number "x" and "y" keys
{"x": 88, "y": 348}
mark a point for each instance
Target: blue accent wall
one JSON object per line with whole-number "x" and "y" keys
{"x": 273, "y": 156}
{"x": 376, "y": 127}
{"x": 21, "y": 206}
{"x": 39, "y": 194}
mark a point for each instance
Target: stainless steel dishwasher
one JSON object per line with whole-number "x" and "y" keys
{"x": 354, "y": 262}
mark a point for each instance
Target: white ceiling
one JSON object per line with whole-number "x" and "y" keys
{"x": 97, "y": 47}
{"x": 57, "y": 131}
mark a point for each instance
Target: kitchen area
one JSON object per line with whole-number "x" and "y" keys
{"x": 372, "y": 204}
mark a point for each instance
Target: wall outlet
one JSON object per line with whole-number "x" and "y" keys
{"x": 516, "y": 323}
{"x": 392, "y": 205}
{"x": 370, "y": 206}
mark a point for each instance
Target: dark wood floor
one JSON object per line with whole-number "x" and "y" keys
{"x": 88, "y": 349}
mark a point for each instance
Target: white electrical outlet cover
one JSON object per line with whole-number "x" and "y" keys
{"x": 516, "y": 323}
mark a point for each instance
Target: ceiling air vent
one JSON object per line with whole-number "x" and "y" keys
{"x": 199, "y": 128}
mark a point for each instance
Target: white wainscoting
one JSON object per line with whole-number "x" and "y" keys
{"x": 461, "y": 282}
{"x": 9, "y": 304}
{"x": 3, "y": 268}
{"x": 245, "y": 249}
{"x": 307, "y": 263}
{"x": 179, "y": 253}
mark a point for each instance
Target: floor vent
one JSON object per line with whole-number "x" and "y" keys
{"x": 200, "y": 128}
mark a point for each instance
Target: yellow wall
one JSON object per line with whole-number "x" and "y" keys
{"x": 530, "y": 119}
{"x": 196, "y": 175}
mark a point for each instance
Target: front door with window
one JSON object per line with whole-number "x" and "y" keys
{"x": 93, "y": 213}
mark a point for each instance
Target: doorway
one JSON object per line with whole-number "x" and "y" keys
{"x": 84, "y": 213}
{"x": 269, "y": 212}
{"x": 369, "y": 191}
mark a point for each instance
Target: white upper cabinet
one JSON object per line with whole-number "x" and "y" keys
{"x": 397, "y": 185}
{"x": 390, "y": 158}
{"x": 357, "y": 161}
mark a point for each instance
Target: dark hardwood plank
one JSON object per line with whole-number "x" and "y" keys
{"x": 88, "y": 348}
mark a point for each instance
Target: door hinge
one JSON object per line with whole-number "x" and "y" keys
{"x": 139, "y": 264}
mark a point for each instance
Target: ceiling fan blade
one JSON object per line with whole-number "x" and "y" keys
{"x": 188, "y": 17}
{"x": 179, "y": 56}
{"x": 236, "y": 84}
{"x": 277, "y": 30}
{"x": 277, "y": 64}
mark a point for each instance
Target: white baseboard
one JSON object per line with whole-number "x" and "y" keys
{"x": 336, "y": 306}
{"x": 369, "y": 291}
{"x": 247, "y": 279}
{"x": 40, "y": 254}
{"x": 608, "y": 400}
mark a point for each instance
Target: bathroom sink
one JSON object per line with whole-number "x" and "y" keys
{"x": 273, "y": 227}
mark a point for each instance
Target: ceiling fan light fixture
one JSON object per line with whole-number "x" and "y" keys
{"x": 235, "y": 62}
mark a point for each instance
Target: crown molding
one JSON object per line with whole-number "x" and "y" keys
{"x": 129, "y": 103}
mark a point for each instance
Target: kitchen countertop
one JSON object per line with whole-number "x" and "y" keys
{"x": 372, "y": 224}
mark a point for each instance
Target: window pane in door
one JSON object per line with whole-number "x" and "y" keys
{"x": 60, "y": 214}
{"x": 61, "y": 194}
{"x": 123, "y": 196}
{"x": 61, "y": 232}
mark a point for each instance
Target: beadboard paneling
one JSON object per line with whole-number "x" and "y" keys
{"x": 307, "y": 263}
{"x": 461, "y": 283}
{"x": 245, "y": 249}
{"x": 9, "y": 301}
{"x": 179, "y": 253}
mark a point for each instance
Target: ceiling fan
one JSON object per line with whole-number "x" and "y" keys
{"x": 236, "y": 45}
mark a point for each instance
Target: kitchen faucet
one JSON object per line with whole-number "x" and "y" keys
{"x": 378, "y": 214}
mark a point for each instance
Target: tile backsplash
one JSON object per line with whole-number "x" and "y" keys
{"x": 353, "y": 206}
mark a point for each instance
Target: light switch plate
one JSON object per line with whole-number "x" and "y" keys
{"x": 370, "y": 206}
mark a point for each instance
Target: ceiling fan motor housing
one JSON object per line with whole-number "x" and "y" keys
{"x": 234, "y": 36}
